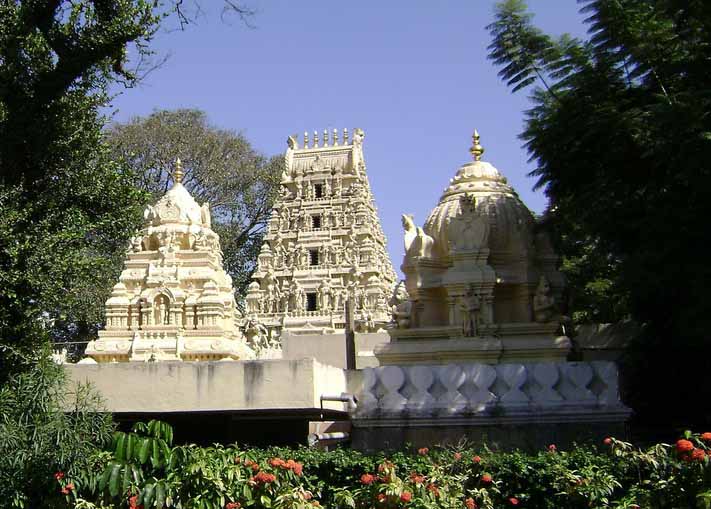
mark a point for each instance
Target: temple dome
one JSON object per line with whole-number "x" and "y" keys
{"x": 510, "y": 221}
{"x": 177, "y": 206}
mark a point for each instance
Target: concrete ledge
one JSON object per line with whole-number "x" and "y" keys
{"x": 224, "y": 386}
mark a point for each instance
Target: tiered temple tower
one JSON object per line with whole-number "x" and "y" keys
{"x": 173, "y": 301}
{"x": 324, "y": 243}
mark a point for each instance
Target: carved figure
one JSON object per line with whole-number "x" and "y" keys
{"x": 401, "y": 306}
{"x": 544, "y": 308}
{"x": 205, "y": 215}
{"x": 468, "y": 231}
{"x": 471, "y": 307}
{"x": 417, "y": 243}
{"x": 324, "y": 296}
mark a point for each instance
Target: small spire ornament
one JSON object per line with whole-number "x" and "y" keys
{"x": 178, "y": 172}
{"x": 476, "y": 149}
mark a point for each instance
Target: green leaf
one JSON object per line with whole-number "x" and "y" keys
{"x": 147, "y": 495}
{"x": 160, "y": 494}
{"x": 265, "y": 500}
{"x": 119, "y": 451}
{"x": 145, "y": 451}
{"x": 115, "y": 480}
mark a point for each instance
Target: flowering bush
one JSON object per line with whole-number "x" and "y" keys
{"x": 143, "y": 470}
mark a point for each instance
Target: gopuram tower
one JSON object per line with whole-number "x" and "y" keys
{"x": 324, "y": 243}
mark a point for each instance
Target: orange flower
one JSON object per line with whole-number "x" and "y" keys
{"x": 417, "y": 478}
{"x": 233, "y": 505}
{"x": 385, "y": 465}
{"x": 698, "y": 455}
{"x": 381, "y": 497}
{"x": 276, "y": 462}
{"x": 423, "y": 451}
{"x": 476, "y": 459}
{"x": 263, "y": 478}
{"x": 470, "y": 503}
{"x": 433, "y": 489}
{"x": 684, "y": 446}
{"x": 406, "y": 496}
{"x": 367, "y": 479}
{"x": 67, "y": 489}
{"x": 486, "y": 479}
{"x": 706, "y": 437}
{"x": 457, "y": 456}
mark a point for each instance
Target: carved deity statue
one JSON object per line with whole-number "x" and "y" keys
{"x": 401, "y": 306}
{"x": 468, "y": 231}
{"x": 471, "y": 307}
{"x": 205, "y": 215}
{"x": 544, "y": 308}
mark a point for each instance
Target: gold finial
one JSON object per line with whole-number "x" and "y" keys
{"x": 178, "y": 172}
{"x": 476, "y": 149}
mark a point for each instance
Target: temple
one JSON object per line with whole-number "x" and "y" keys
{"x": 481, "y": 282}
{"x": 324, "y": 243}
{"x": 173, "y": 301}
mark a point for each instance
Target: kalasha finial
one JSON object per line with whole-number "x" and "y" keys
{"x": 476, "y": 149}
{"x": 178, "y": 172}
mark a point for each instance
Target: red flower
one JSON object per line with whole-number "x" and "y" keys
{"x": 406, "y": 496}
{"x": 67, "y": 489}
{"x": 470, "y": 503}
{"x": 59, "y": 475}
{"x": 552, "y": 448}
{"x": 367, "y": 479}
{"x": 276, "y": 462}
{"x": 233, "y": 505}
{"x": 513, "y": 501}
{"x": 476, "y": 459}
{"x": 255, "y": 467}
{"x": 417, "y": 478}
{"x": 133, "y": 502}
{"x": 486, "y": 479}
{"x": 264, "y": 478}
{"x": 607, "y": 441}
{"x": 423, "y": 451}
{"x": 433, "y": 489}
{"x": 381, "y": 497}
{"x": 698, "y": 455}
{"x": 457, "y": 456}
{"x": 706, "y": 437}
{"x": 684, "y": 446}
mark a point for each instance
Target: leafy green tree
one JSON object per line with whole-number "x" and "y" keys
{"x": 621, "y": 134}
{"x": 220, "y": 167}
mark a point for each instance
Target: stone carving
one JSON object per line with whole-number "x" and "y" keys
{"x": 468, "y": 231}
{"x": 471, "y": 307}
{"x": 469, "y": 271}
{"x": 146, "y": 316}
{"x": 401, "y": 306}
{"x": 417, "y": 243}
{"x": 544, "y": 308}
{"x": 347, "y": 236}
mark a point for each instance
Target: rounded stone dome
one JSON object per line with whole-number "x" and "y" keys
{"x": 509, "y": 220}
{"x": 176, "y": 206}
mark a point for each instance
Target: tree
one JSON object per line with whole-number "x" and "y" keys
{"x": 220, "y": 168}
{"x": 621, "y": 134}
{"x": 65, "y": 207}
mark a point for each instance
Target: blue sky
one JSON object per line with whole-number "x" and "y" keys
{"x": 413, "y": 74}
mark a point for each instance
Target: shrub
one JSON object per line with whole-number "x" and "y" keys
{"x": 143, "y": 469}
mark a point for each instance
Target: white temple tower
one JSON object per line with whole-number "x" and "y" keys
{"x": 173, "y": 301}
{"x": 324, "y": 243}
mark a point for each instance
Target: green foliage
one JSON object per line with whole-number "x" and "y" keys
{"x": 619, "y": 130}
{"x": 46, "y": 426}
{"x": 220, "y": 168}
{"x": 141, "y": 468}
